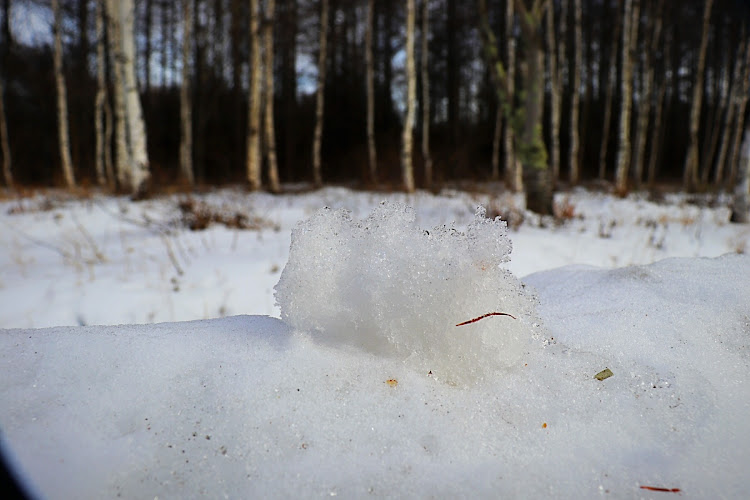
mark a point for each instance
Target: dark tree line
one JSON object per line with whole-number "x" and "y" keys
{"x": 637, "y": 92}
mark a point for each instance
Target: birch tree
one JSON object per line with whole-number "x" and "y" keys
{"x": 690, "y": 172}
{"x": 186, "y": 105}
{"x": 253, "y": 119}
{"x": 644, "y": 108}
{"x": 426, "y": 93}
{"x": 273, "y": 169}
{"x": 629, "y": 43}
{"x": 531, "y": 151}
{"x": 740, "y": 66}
{"x": 407, "y": 169}
{"x": 575, "y": 89}
{"x": 319, "y": 94}
{"x": 132, "y": 156}
{"x": 608, "y": 98}
{"x": 102, "y": 111}
{"x": 62, "y": 100}
{"x": 372, "y": 159}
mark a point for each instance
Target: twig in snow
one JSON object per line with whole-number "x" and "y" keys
{"x": 484, "y": 316}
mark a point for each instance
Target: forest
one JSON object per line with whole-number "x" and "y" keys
{"x": 140, "y": 95}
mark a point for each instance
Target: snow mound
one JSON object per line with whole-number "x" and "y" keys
{"x": 388, "y": 287}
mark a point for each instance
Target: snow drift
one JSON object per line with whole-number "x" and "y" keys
{"x": 391, "y": 288}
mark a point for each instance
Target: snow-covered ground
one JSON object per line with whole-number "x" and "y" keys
{"x": 247, "y": 406}
{"x": 109, "y": 261}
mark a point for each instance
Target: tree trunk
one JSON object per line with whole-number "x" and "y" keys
{"x": 658, "y": 130}
{"x": 4, "y": 143}
{"x": 629, "y": 43}
{"x": 426, "y": 93}
{"x": 741, "y": 209}
{"x": 253, "y": 120}
{"x": 103, "y": 170}
{"x": 407, "y": 170}
{"x": 690, "y": 174}
{"x": 186, "y": 106}
{"x": 132, "y": 156}
{"x": 723, "y": 98}
{"x": 273, "y": 169}
{"x": 575, "y": 89}
{"x": 734, "y": 97}
{"x": 319, "y": 95}
{"x": 370, "y": 76}
{"x": 644, "y": 108}
{"x": 555, "y": 100}
{"x": 122, "y": 154}
{"x": 139, "y": 166}
{"x": 739, "y": 127}
{"x": 62, "y": 101}
{"x": 562, "y": 71}
{"x": 513, "y": 168}
{"x": 611, "y": 82}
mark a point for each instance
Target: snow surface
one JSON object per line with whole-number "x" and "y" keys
{"x": 248, "y": 406}
{"x": 66, "y": 262}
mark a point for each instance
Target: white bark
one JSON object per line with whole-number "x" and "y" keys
{"x": 629, "y": 42}
{"x": 132, "y": 155}
{"x": 407, "y": 169}
{"x": 273, "y": 169}
{"x": 62, "y": 101}
{"x": 253, "y": 123}
{"x": 690, "y": 173}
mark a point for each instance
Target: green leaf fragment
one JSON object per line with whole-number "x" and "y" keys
{"x": 604, "y": 374}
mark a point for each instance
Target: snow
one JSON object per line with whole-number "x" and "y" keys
{"x": 249, "y": 406}
{"x": 387, "y": 286}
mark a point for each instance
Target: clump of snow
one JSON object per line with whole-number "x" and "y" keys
{"x": 387, "y": 286}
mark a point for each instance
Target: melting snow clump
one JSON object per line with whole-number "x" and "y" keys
{"x": 388, "y": 287}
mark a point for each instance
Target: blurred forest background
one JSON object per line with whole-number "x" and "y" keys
{"x": 658, "y": 88}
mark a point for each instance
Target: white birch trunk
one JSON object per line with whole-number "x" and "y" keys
{"x": 407, "y": 169}
{"x": 320, "y": 95}
{"x": 122, "y": 153}
{"x": 62, "y": 101}
{"x": 513, "y": 167}
{"x": 253, "y": 119}
{"x": 273, "y": 169}
{"x": 372, "y": 158}
{"x": 426, "y": 93}
{"x": 629, "y": 42}
{"x": 186, "y": 106}
{"x": 690, "y": 173}
{"x": 139, "y": 165}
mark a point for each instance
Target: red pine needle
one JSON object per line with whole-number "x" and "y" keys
{"x": 485, "y": 316}
{"x": 656, "y": 488}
